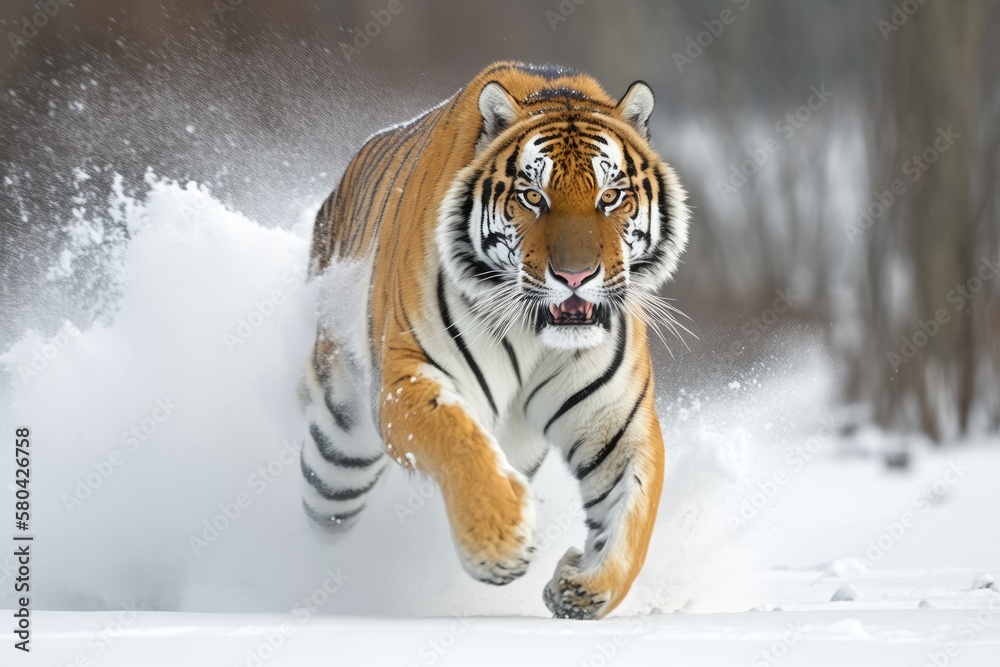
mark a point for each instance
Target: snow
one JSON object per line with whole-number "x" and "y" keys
{"x": 837, "y": 635}
{"x": 845, "y": 594}
{"x": 166, "y": 484}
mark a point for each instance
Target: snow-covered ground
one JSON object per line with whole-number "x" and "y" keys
{"x": 168, "y": 527}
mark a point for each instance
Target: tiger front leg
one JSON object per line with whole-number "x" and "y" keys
{"x": 621, "y": 478}
{"x": 426, "y": 426}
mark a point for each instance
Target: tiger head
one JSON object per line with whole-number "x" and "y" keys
{"x": 566, "y": 217}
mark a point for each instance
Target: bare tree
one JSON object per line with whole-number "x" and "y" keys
{"x": 921, "y": 250}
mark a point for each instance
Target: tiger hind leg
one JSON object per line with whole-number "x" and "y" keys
{"x": 342, "y": 457}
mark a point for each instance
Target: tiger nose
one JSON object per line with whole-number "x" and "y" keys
{"x": 575, "y": 278}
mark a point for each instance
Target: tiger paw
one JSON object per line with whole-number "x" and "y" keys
{"x": 569, "y": 593}
{"x": 493, "y": 530}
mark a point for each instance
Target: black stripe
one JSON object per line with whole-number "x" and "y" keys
{"x": 342, "y": 413}
{"x": 629, "y": 162}
{"x": 485, "y": 206}
{"x": 661, "y": 197}
{"x": 604, "y": 320}
{"x": 590, "y": 503}
{"x": 513, "y": 359}
{"x": 464, "y": 253}
{"x": 328, "y": 492}
{"x": 537, "y": 389}
{"x": 572, "y": 450}
{"x": 594, "y": 524}
{"x": 365, "y": 190}
{"x": 595, "y": 138}
{"x": 546, "y": 70}
{"x": 416, "y": 339}
{"x": 330, "y": 519}
{"x": 460, "y": 342}
{"x": 596, "y": 384}
{"x": 648, "y": 189}
{"x": 490, "y": 199}
{"x": 375, "y": 190}
{"x": 510, "y": 169}
{"x": 559, "y": 93}
{"x": 530, "y": 472}
{"x": 606, "y": 450}
{"x": 360, "y": 165}
{"x": 333, "y": 455}
{"x": 396, "y": 140}
{"x": 441, "y": 113}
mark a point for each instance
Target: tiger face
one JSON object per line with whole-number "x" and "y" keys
{"x": 566, "y": 217}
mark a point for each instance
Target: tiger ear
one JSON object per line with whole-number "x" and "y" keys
{"x": 636, "y": 107}
{"x": 499, "y": 111}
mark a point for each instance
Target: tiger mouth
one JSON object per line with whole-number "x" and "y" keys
{"x": 574, "y": 311}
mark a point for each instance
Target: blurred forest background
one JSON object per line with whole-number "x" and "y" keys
{"x": 842, "y": 157}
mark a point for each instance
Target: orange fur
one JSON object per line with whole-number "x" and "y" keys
{"x": 387, "y": 210}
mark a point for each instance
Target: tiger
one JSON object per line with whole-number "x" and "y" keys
{"x": 509, "y": 247}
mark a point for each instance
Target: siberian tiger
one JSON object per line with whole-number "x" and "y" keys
{"x": 511, "y": 242}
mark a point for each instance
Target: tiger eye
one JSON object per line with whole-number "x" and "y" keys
{"x": 534, "y": 197}
{"x": 609, "y": 196}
